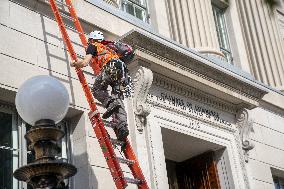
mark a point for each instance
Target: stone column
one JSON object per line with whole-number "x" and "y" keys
{"x": 192, "y": 24}
{"x": 263, "y": 41}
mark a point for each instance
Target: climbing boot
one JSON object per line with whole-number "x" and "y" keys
{"x": 111, "y": 108}
{"x": 122, "y": 133}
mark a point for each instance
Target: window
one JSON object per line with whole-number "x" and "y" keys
{"x": 8, "y": 150}
{"x": 222, "y": 32}
{"x": 278, "y": 182}
{"x": 136, "y": 8}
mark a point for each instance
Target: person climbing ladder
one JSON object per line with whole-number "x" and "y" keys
{"x": 114, "y": 73}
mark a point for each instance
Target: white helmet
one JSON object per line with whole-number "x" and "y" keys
{"x": 96, "y": 35}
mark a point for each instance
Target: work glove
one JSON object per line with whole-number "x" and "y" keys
{"x": 73, "y": 63}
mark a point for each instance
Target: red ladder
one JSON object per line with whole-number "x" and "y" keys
{"x": 102, "y": 135}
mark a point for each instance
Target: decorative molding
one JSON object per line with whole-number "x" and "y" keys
{"x": 227, "y": 76}
{"x": 170, "y": 109}
{"x": 210, "y": 75}
{"x": 142, "y": 82}
{"x": 235, "y": 140}
{"x": 245, "y": 127}
{"x": 114, "y": 3}
{"x": 194, "y": 94}
{"x": 4, "y": 105}
{"x": 242, "y": 158}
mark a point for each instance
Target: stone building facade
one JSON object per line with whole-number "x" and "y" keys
{"x": 208, "y": 89}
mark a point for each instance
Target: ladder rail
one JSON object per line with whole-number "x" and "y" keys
{"x": 77, "y": 23}
{"x": 73, "y": 55}
{"x": 108, "y": 151}
{"x": 114, "y": 165}
{"x": 97, "y": 123}
{"x": 135, "y": 167}
{"x": 79, "y": 28}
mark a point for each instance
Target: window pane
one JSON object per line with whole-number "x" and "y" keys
{"x": 136, "y": 8}
{"x": 6, "y": 152}
{"x": 140, "y": 13}
{"x": 222, "y": 32}
{"x": 129, "y": 8}
{"x": 139, "y": 2}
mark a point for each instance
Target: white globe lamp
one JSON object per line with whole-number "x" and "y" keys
{"x": 42, "y": 98}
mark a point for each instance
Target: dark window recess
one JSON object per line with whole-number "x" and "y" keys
{"x": 6, "y": 151}
{"x": 278, "y": 182}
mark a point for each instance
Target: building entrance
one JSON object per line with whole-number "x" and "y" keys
{"x": 199, "y": 172}
{"x": 191, "y": 163}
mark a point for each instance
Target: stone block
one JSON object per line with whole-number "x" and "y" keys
{"x": 260, "y": 171}
{"x": 14, "y": 72}
{"x": 276, "y": 122}
{"x": 268, "y": 154}
{"x": 262, "y": 185}
{"x": 259, "y": 116}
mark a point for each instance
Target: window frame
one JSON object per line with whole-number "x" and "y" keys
{"x": 119, "y": 13}
{"x": 142, "y": 6}
{"x": 16, "y": 148}
{"x": 222, "y": 32}
{"x": 277, "y": 181}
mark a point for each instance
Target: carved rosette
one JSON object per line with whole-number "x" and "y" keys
{"x": 245, "y": 127}
{"x": 142, "y": 82}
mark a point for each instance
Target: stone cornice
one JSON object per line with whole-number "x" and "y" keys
{"x": 196, "y": 69}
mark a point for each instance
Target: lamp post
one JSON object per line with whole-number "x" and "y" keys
{"x": 42, "y": 101}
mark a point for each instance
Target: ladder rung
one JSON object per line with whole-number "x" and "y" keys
{"x": 66, "y": 16}
{"x": 116, "y": 142}
{"x": 80, "y": 56}
{"x": 132, "y": 180}
{"x": 126, "y": 161}
{"x": 61, "y": 3}
{"x": 94, "y": 113}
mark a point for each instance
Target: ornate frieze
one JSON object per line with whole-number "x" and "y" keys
{"x": 142, "y": 83}
{"x": 245, "y": 127}
{"x": 193, "y": 94}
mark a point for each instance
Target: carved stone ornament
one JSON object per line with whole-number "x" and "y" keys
{"x": 142, "y": 82}
{"x": 245, "y": 127}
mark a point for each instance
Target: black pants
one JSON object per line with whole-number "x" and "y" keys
{"x": 112, "y": 74}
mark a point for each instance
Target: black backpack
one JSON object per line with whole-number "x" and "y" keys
{"x": 124, "y": 51}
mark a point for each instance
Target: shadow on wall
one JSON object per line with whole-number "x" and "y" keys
{"x": 56, "y": 59}
{"x": 85, "y": 177}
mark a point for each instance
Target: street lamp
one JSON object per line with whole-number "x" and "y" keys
{"x": 42, "y": 101}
